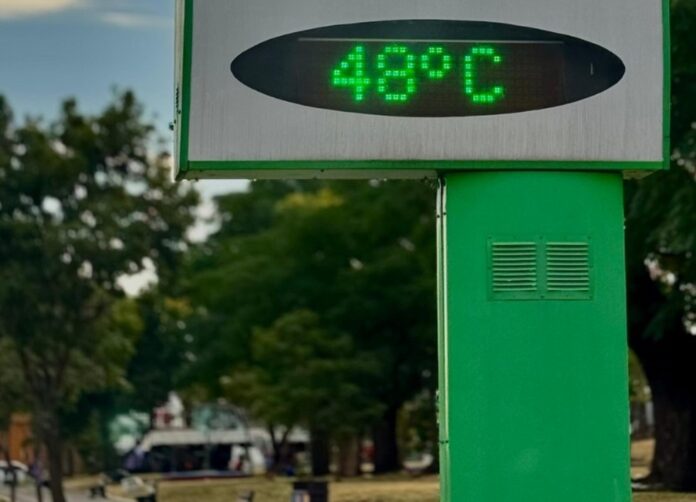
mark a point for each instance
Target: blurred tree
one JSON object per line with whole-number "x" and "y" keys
{"x": 83, "y": 204}
{"x": 361, "y": 256}
{"x": 11, "y": 401}
{"x": 418, "y": 432}
{"x": 228, "y": 279}
{"x": 159, "y": 359}
{"x": 661, "y": 244}
{"x": 301, "y": 374}
{"x": 161, "y": 351}
{"x": 387, "y": 297}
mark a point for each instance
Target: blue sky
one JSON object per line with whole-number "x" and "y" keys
{"x": 58, "y": 48}
{"x": 53, "y": 49}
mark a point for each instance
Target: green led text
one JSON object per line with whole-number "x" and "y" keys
{"x": 471, "y": 72}
{"x": 436, "y": 62}
{"x": 396, "y": 73}
{"x": 351, "y": 73}
{"x": 397, "y": 69}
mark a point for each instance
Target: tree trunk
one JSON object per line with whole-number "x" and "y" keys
{"x": 668, "y": 362}
{"x": 54, "y": 452}
{"x": 281, "y": 454}
{"x": 386, "y": 445}
{"x": 38, "y": 477}
{"x": 349, "y": 456}
{"x": 320, "y": 452}
{"x": 674, "y": 465}
{"x": 276, "y": 448}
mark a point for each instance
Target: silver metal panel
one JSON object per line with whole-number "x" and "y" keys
{"x": 229, "y": 121}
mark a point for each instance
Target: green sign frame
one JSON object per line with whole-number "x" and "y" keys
{"x": 186, "y": 168}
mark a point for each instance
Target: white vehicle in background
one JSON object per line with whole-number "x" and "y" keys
{"x": 21, "y": 472}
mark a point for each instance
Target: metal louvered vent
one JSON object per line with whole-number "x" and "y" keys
{"x": 514, "y": 270}
{"x": 540, "y": 269}
{"x": 568, "y": 270}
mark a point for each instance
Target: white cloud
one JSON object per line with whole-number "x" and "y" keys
{"x": 119, "y": 13}
{"x": 131, "y": 20}
{"x": 25, "y": 8}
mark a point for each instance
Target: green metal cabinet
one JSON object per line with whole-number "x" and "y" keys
{"x": 533, "y": 375}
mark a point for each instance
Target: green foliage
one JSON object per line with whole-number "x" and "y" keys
{"x": 661, "y": 251}
{"x": 82, "y": 205}
{"x": 661, "y": 209}
{"x": 345, "y": 271}
{"x": 11, "y": 384}
{"x": 638, "y": 387}
{"x": 301, "y": 374}
{"x": 160, "y": 351}
{"x": 418, "y": 432}
{"x": 83, "y": 202}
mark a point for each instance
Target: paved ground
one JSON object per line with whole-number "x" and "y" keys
{"x": 28, "y": 494}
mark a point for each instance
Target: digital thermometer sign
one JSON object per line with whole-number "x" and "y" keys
{"x": 428, "y": 68}
{"x": 405, "y": 89}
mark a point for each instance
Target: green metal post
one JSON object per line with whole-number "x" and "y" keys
{"x": 533, "y": 401}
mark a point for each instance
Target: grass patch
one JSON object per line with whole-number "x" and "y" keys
{"x": 279, "y": 490}
{"x": 663, "y": 497}
{"x": 380, "y": 490}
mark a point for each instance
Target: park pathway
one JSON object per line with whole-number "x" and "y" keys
{"x": 28, "y": 494}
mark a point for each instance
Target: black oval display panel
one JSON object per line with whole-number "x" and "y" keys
{"x": 428, "y": 68}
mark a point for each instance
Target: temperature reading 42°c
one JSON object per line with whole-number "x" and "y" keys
{"x": 398, "y": 72}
